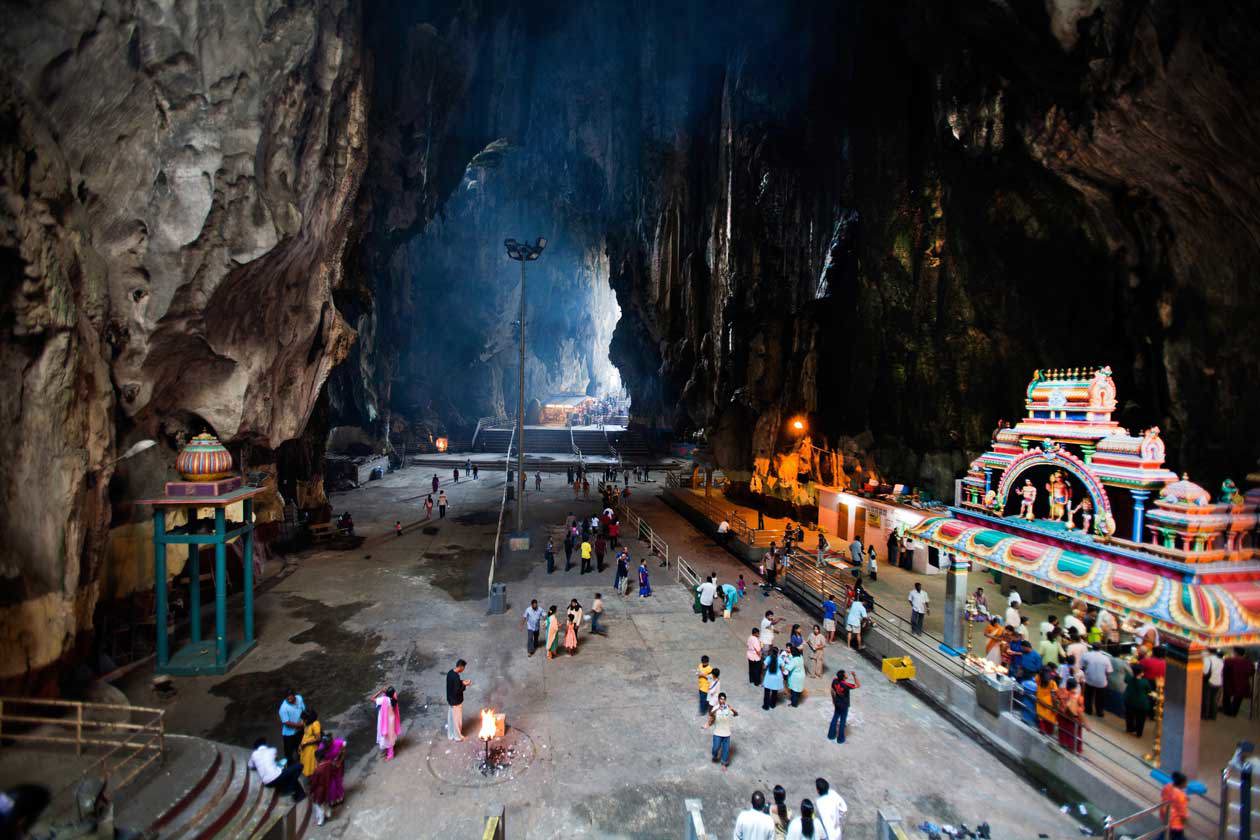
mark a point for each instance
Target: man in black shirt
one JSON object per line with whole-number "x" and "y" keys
{"x": 455, "y": 699}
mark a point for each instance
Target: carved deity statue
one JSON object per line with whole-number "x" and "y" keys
{"x": 1086, "y": 509}
{"x": 1028, "y": 494}
{"x": 1102, "y": 390}
{"x": 1229, "y": 493}
{"x": 1057, "y": 488}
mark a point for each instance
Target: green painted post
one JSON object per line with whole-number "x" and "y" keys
{"x": 194, "y": 582}
{"x": 159, "y": 585}
{"x": 249, "y": 570}
{"x": 220, "y": 587}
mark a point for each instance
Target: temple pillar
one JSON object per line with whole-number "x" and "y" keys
{"x": 1139, "y": 512}
{"x": 956, "y": 606}
{"x": 159, "y": 586}
{"x": 1087, "y": 450}
{"x": 988, "y": 480}
{"x": 1183, "y": 697}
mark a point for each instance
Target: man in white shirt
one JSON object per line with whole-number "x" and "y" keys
{"x": 767, "y": 630}
{"x": 1013, "y": 599}
{"x": 918, "y": 608}
{"x": 755, "y": 823}
{"x": 1097, "y": 668}
{"x": 707, "y": 591}
{"x": 1072, "y": 621}
{"x": 1012, "y": 618}
{"x": 831, "y": 809}
{"x": 1109, "y": 626}
{"x": 1213, "y": 681}
{"x": 263, "y": 762}
{"x": 853, "y": 622}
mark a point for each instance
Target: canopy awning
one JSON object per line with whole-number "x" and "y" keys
{"x": 1209, "y": 614}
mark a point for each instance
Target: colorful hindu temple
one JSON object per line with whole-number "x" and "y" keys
{"x": 1068, "y": 500}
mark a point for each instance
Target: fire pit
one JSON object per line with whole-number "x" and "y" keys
{"x": 492, "y": 726}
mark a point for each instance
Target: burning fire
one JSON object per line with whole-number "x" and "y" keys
{"x": 487, "y": 725}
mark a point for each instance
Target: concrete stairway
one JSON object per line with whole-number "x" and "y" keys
{"x": 207, "y": 791}
{"x": 537, "y": 441}
{"x": 591, "y": 443}
{"x": 631, "y": 445}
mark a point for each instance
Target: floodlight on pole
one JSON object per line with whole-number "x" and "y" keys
{"x": 522, "y": 252}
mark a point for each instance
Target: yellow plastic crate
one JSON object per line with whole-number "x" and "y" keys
{"x": 898, "y": 668}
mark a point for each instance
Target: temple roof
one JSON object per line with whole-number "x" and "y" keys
{"x": 1223, "y": 613}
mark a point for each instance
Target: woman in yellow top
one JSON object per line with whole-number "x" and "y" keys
{"x": 310, "y": 740}
{"x": 1046, "y": 689}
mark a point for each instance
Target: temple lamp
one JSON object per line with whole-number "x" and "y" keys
{"x": 522, "y": 252}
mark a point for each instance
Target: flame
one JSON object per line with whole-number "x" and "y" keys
{"x": 487, "y": 725}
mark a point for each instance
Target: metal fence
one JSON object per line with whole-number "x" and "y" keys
{"x": 133, "y": 744}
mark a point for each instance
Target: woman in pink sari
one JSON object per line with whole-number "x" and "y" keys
{"x": 337, "y": 779}
{"x": 388, "y": 721}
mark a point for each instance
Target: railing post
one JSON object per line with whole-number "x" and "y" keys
{"x": 78, "y": 729}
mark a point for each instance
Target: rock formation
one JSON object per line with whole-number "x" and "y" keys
{"x": 876, "y": 217}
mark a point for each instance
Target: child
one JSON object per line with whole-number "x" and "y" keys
{"x": 740, "y": 586}
{"x": 570, "y": 636}
{"x": 388, "y": 720}
{"x": 397, "y": 528}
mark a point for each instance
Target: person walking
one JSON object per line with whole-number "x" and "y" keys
{"x": 831, "y": 809}
{"x": 553, "y": 632}
{"x": 428, "y": 506}
{"x": 857, "y": 552}
{"x": 720, "y": 717}
{"x": 829, "y": 608}
{"x": 291, "y": 725}
{"x": 815, "y": 644}
{"x": 771, "y": 680}
{"x": 538, "y": 480}
{"x": 388, "y": 721}
{"x": 442, "y": 504}
{"x": 455, "y": 474}
{"x": 585, "y": 553}
{"x": 707, "y": 592}
{"x": 754, "y": 823}
{"x": 436, "y": 483}
{"x": 1139, "y": 700}
{"x": 703, "y": 671}
{"x": 1176, "y": 806}
{"x": 715, "y": 688}
{"x": 645, "y": 584}
{"x": 807, "y": 826}
{"x": 853, "y": 622}
{"x": 780, "y": 813}
{"x": 549, "y": 554}
{"x": 577, "y": 487}
{"x": 1097, "y": 668}
{"x": 841, "y": 686}
{"x": 533, "y": 622}
{"x": 623, "y": 572}
{"x": 455, "y": 685}
{"x": 568, "y": 475}
{"x": 872, "y": 567}
{"x": 795, "y": 675}
{"x": 919, "y": 608}
{"x": 597, "y": 616}
{"x": 586, "y": 488}
{"x": 600, "y": 547}
{"x": 1213, "y": 681}
{"x": 570, "y": 539}
{"x": 474, "y": 472}
{"x": 754, "y": 655}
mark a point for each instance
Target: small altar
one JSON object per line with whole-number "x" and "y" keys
{"x": 205, "y": 465}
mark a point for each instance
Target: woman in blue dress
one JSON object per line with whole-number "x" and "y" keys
{"x": 645, "y": 586}
{"x": 771, "y": 680}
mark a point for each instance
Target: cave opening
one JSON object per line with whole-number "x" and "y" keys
{"x": 459, "y": 357}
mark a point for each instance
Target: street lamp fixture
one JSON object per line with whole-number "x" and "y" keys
{"x": 522, "y": 252}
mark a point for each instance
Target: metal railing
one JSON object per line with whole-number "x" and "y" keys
{"x": 642, "y": 529}
{"x": 1110, "y": 825}
{"x": 1240, "y": 798}
{"x": 128, "y": 741}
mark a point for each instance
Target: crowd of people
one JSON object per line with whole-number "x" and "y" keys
{"x": 822, "y": 818}
{"x": 312, "y": 762}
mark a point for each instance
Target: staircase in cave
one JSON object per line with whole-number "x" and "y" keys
{"x": 206, "y": 790}
{"x": 591, "y": 443}
{"x": 537, "y": 441}
{"x": 630, "y": 444}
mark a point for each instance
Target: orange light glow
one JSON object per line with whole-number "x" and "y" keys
{"x": 441, "y": 444}
{"x": 487, "y": 725}
{"x": 799, "y": 425}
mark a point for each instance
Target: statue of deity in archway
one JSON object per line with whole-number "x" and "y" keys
{"x": 1086, "y": 509}
{"x": 1057, "y": 488}
{"x": 1028, "y": 495}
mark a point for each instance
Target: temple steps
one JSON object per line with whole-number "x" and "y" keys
{"x": 206, "y": 790}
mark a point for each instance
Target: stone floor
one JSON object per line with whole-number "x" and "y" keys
{"x": 608, "y": 743}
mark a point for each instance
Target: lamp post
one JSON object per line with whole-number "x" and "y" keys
{"x": 522, "y": 252}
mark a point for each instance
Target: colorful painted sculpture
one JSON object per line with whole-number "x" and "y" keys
{"x": 1229, "y": 493}
{"x": 1057, "y": 488}
{"x": 1029, "y": 495}
{"x": 1086, "y": 509}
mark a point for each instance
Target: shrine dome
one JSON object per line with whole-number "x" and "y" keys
{"x": 1185, "y": 492}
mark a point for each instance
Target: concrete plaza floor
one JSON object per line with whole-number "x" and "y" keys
{"x": 608, "y": 743}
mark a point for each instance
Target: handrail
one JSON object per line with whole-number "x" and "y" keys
{"x": 1111, "y": 824}
{"x": 151, "y": 734}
